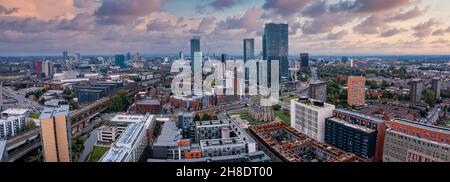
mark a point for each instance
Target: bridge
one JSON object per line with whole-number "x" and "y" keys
{"x": 79, "y": 119}
{"x": 22, "y": 144}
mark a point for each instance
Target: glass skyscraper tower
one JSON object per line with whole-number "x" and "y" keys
{"x": 275, "y": 47}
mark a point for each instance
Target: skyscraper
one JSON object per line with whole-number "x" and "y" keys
{"x": 120, "y": 60}
{"x": 304, "y": 61}
{"x": 415, "y": 91}
{"x": 436, "y": 86}
{"x": 356, "y": 91}
{"x": 318, "y": 90}
{"x": 195, "y": 47}
{"x": 38, "y": 68}
{"x": 128, "y": 56}
{"x": 55, "y": 129}
{"x": 223, "y": 58}
{"x": 78, "y": 57}
{"x": 249, "y": 49}
{"x": 47, "y": 69}
{"x": 249, "y": 53}
{"x": 65, "y": 55}
{"x": 275, "y": 47}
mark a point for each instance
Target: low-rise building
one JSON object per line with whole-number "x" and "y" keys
{"x": 408, "y": 141}
{"x": 130, "y": 145}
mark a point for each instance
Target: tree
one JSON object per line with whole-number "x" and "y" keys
{"x": 205, "y": 117}
{"x": 430, "y": 97}
{"x": 196, "y": 117}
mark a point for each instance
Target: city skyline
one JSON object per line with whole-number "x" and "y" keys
{"x": 47, "y": 27}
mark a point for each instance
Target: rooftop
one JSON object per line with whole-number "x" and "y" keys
{"x": 361, "y": 128}
{"x": 15, "y": 111}
{"x": 123, "y": 118}
{"x": 422, "y": 125}
{"x": 49, "y": 112}
{"x": 221, "y": 142}
{"x": 360, "y": 115}
{"x": 169, "y": 135}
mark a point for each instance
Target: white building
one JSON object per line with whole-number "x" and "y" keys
{"x": 130, "y": 146}
{"x": 11, "y": 126}
{"x": 308, "y": 117}
{"x": 15, "y": 112}
{"x": 118, "y": 125}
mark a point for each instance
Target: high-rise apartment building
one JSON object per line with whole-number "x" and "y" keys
{"x": 55, "y": 126}
{"x": 356, "y": 92}
{"x": 318, "y": 90}
{"x": 308, "y": 117}
{"x": 436, "y": 86}
{"x": 275, "y": 47}
{"x": 304, "y": 61}
{"x": 415, "y": 91}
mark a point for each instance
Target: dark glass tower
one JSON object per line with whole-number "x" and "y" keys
{"x": 275, "y": 47}
{"x": 249, "y": 53}
{"x": 195, "y": 47}
{"x": 120, "y": 60}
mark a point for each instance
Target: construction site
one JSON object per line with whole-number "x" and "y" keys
{"x": 292, "y": 146}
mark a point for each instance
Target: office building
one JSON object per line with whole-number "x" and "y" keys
{"x": 130, "y": 145}
{"x": 357, "y": 133}
{"x": 275, "y": 47}
{"x": 409, "y": 141}
{"x": 415, "y": 91}
{"x": 65, "y": 55}
{"x": 304, "y": 61}
{"x": 249, "y": 53}
{"x": 436, "y": 83}
{"x": 308, "y": 117}
{"x": 249, "y": 49}
{"x": 358, "y": 125}
{"x": 119, "y": 123}
{"x": 318, "y": 90}
{"x": 146, "y": 105}
{"x": 195, "y": 47}
{"x": 119, "y": 60}
{"x": 55, "y": 126}
{"x": 356, "y": 91}
{"x": 223, "y": 58}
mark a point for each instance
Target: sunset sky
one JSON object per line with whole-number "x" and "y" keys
{"x": 320, "y": 27}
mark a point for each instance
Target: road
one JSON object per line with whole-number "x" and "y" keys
{"x": 88, "y": 145}
{"x": 22, "y": 102}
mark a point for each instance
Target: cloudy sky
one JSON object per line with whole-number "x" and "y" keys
{"x": 321, "y": 27}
